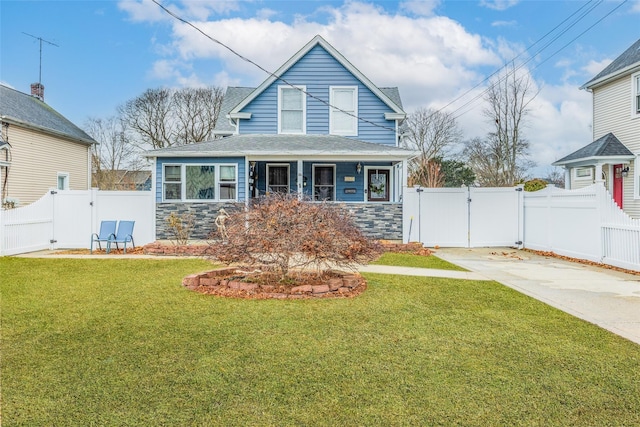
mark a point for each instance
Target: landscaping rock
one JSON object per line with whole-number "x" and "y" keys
{"x": 320, "y": 289}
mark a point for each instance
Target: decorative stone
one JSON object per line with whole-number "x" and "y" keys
{"x": 247, "y": 287}
{"x": 192, "y": 281}
{"x": 350, "y": 282}
{"x": 320, "y": 289}
{"x": 302, "y": 289}
{"x": 268, "y": 288}
{"x": 334, "y": 284}
{"x": 209, "y": 281}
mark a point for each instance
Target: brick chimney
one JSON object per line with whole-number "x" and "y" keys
{"x": 37, "y": 90}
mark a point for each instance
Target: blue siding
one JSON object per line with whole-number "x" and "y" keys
{"x": 239, "y": 161}
{"x": 318, "y": 70}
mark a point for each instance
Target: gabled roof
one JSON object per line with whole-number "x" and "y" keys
{"x": 29, "y": 111}
{"x": 232, "y": 97}
{"x": 281, "y": 146}
{"x": 625, "y": 63}
{"x": 607, "y": 147}
{"x": 318, "y": 40}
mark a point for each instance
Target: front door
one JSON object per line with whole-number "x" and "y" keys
{"x": 378, "y": 187}
{"x": 617, "y": 184}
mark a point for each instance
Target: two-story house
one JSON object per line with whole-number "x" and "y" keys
{"x": 39, "y": 148}
{"x": 317, "y": 127}
{"x": 612, "y": 158}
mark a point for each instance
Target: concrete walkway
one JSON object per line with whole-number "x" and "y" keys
{"x": 607, "y": 298}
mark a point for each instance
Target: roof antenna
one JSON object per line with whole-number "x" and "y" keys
{"x": 40, "y": 39}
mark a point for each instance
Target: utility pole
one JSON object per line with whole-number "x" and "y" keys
{"x": 40, "y": 39}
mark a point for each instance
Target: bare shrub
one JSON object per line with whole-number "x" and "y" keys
{"x": 284, "y": 233}
{"x": 181, "y": 226}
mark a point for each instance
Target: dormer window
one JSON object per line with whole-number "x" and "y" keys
{"x": 292, "y": 109}
{"x": 343, "y": 111}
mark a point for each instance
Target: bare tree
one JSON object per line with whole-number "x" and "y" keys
{"x": 432, "y": 133}
{"x": 112, "y": 154}
{"x": 501, "y": 159}
{"x": 164, "y": 117}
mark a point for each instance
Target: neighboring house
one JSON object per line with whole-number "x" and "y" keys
{"x": 612, "y": 158}
{"x": 316, "y": 127}
{"x": 39, "y": 148}
{"x": 122, "y": 180}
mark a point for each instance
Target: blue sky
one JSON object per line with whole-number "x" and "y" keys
{"x": 434, "y": 51}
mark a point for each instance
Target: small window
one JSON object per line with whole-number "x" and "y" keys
{"x": 172, "y": 184}
{"x": 292, "y": 110}
{"x": 228, "y": 182}
{"x": 584, "y": 173}
{"x": 344, "y": 110}
{"x": 324, "y": 182}
{"x": 636, "y": 93}
{"x": 63, "y": 181}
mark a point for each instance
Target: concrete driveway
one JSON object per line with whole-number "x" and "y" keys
{"x": 607, "y": 298}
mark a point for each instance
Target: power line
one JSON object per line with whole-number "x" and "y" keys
{"x": 278, "y": 78}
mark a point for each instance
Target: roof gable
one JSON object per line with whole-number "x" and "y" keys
{"x": 607, "y": 146}
{"x": 319, "y": 41}
{"x": 629, "y": 59}
{"x": 32, "y": 112}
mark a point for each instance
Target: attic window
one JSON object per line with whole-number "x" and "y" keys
{"x": 344, "y": 110}
{"x": 292, "y": 110}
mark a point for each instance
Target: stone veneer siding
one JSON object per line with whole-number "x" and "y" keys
{"x": 376, "y": 220}
{"x": 204, "y": 213}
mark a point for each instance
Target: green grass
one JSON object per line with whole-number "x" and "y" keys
{"x": 120, "y": 342}
{"x": 411, "y": 260}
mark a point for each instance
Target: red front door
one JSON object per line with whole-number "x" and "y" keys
{"x": 617, "y": 184}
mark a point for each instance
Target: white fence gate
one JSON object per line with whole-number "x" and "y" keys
{"x": 67, "y": 218}
{"x": 463, "y": 217}
{"x": 585, "y": 224}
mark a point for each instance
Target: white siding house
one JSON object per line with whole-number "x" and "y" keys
{"x": 612, "y": 157}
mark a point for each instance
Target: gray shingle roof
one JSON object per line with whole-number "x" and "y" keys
{"x": 628, "y": 58}
{"x": 232, "y": 97}
{"x": 26, "y": 109}
{"x": 606, "y": 146}
{"x": 284, "y": 145}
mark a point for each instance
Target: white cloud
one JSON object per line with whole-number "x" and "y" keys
{"x": 594, "y": 67}
{"x": 432, "y": 59}
{"x": 635, "y": 6}
{"x": 148, "y": 11}
{"x": 499, "y": 4}
{"x": 266, "y": 13}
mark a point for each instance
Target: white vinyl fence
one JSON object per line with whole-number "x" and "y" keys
{"x": 585, "y": 223}
{"x": 463, "y": 217}
{"x": 67, "y": 218}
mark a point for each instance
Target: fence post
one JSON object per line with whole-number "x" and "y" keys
{"x": 520, "y": 201}
{"x": 2, "y": 231}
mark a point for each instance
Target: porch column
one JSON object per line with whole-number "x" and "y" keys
{"x": 299, "y": 179}
{"x": 598, "y": 177}
{"x": 567, "y": 178}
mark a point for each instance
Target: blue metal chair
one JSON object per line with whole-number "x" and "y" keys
{"x": 124, "y": 235}
{"x": 107, "y": 232}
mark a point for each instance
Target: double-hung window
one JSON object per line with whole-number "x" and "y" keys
{"x": 188, "y": 182}
{"x": 343, "y": 111}
{"x": 636, "y": 94}
{"x": 292, "y": 109}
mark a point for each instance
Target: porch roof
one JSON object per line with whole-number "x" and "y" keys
{"x": 607, "y": 149}
{"x": 299, "y": 146}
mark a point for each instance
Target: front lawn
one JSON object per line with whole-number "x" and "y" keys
{"x": 412, "y": 260}
{"x": 120, "y": 342}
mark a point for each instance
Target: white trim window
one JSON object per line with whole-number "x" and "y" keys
{"x": 292, "y": 109}
{"x": 63, "y": 181}
{"x": 324, "y": 182}
{"x": 199, "y": 182}
{"x": 635, "y": 80}
{"x": 277, "y": 178}
{"x": 343, "y": 111}
{"x": 583, "y": 174}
